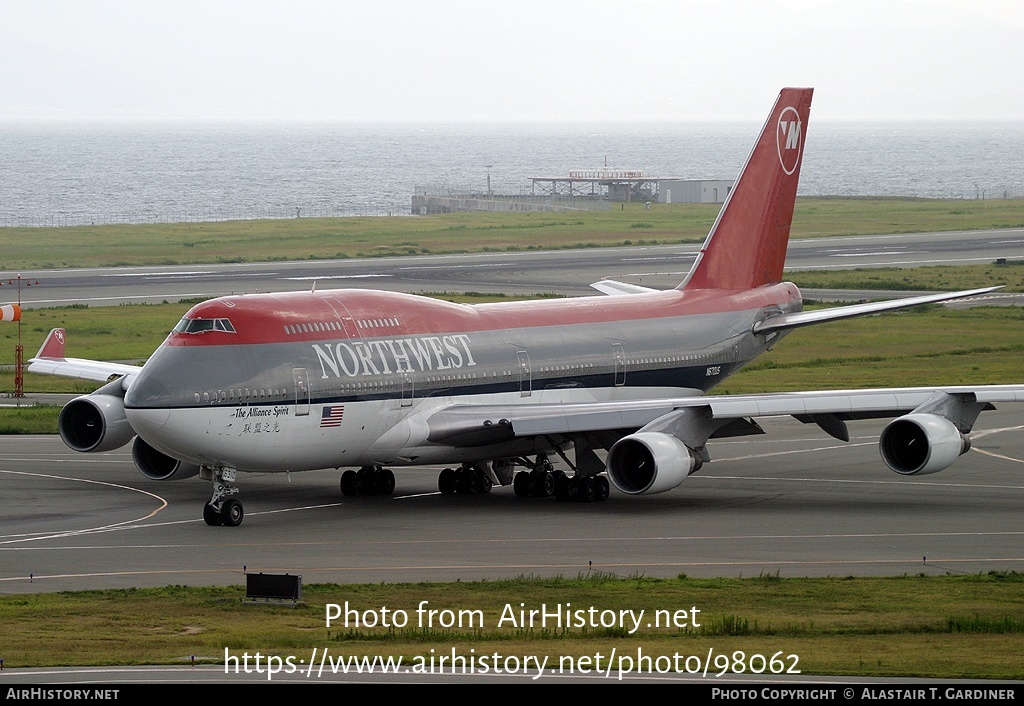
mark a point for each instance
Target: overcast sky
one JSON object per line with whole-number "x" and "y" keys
{"x": 543, "y": 60}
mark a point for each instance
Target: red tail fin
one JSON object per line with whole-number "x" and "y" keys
{"x": 53, "y": 346}
{"x": 747, "y": 244}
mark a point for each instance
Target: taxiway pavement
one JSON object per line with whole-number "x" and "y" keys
{"x": 794, "y": 502}
{"x": 567, "y": 272}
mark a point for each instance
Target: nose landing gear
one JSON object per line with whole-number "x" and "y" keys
{"x": 222, "y": 509}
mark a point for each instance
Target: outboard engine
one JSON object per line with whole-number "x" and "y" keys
{"x": 921, "y": 443}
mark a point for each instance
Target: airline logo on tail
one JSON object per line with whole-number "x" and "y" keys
{"x": 790, "y": 139}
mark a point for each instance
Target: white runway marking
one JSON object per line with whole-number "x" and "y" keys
{"x": 874, "y": 253}
{"x": 896, "y": 263}
{"x": 13, "y": 539}
{"x": 325, "y": 277}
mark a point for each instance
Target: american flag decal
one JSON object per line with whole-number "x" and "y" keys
{"x": 331, "y": 416}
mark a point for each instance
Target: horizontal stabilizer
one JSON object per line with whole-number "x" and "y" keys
{"x": 610, "y": 286}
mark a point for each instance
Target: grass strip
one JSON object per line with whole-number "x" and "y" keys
{"x": 968, "y": 626}
{"x": 336, "y": 238}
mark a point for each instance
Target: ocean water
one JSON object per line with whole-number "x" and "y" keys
{"x": 54, "y": 174}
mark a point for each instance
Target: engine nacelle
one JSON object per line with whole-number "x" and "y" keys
{"x": 94, "y": 423}
{"x": 921, "y": 443}
{"x": 650, "y": 462}
{"x": 157, "y": 465}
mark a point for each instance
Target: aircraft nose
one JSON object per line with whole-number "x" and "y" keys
{"x": 146, "y": 404}
{"x": 147, "y": 391}
{"x": 147, "y": 422}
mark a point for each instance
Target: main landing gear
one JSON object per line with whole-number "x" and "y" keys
{"x": 368, "y": 480}
{"x": 540, "y": 481}
{"x": 543, "y": 482}
{"x": 585, "y": 489}
{"x": 222, "y": 508}
{"x": 467, "y": 480}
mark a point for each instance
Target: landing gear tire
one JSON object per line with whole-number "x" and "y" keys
{"x": 387, "y": 481}
{"x": 464, "y": 482}
{"x": 521, "y": 485}
{"x": 231, "y": 513}
{"x": 546, "y": 484}
{"x": 349, "y": 483}
{"x": 446, "y": 481}
{"x": 368, "y": 481}
{"x": 602, "y": 487}
{"x": 211, "y": 516}
{"x": 565, "y": 488}
{"x": 471, "y": 480}
{"x": 586, "y": 492}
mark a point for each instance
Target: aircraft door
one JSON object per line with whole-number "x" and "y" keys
{"x": 301, "y": 380}
{"x": 525, "y": 376}
{"x": 347, "y": 322}
{"x": 408, "y": 389}
{"x": 619, "y": 358}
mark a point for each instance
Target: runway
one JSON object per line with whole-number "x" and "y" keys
{"x": 567, "y": 272}
{"x": 794, "y": 502}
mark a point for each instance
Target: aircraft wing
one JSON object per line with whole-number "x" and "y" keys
{"x": 818, "y": 316}
{"x": 470, "y": 424}
{"x": 50, "y": 360}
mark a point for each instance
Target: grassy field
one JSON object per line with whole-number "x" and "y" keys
{"x": 938, "y": 627}
{"x": 933, "y": 346}
{"x": 943, "y": 278}
{"x": 240, "y": 241}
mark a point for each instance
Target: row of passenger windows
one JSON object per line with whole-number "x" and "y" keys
{"x": 636, "y": 363}
{"x": 243, "y": 394}
{"x": 313, "y": 327}
{"x": 376, "y": 323}
{"x": 572, "y": 368}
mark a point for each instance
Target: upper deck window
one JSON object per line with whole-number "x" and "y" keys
{"x": 188, "y": 325}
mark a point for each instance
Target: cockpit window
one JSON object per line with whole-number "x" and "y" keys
{"x": 188, "y": 325}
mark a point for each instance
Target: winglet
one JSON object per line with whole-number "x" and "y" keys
{"x": 746, "y": 247}
{"x": 53, "y": 346}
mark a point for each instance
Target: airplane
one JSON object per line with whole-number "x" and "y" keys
{"x": 614, "y": 386}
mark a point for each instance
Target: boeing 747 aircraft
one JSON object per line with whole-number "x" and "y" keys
{"x": 613, "y": 386}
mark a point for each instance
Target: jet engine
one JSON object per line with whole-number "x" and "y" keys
{"x": 650, "y": 462}
{"x": 156, "y": 465}
{"x": 921, "y": 443}
{"x": 94, "y": 422}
